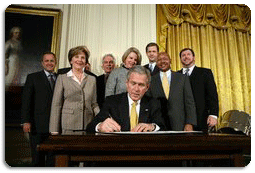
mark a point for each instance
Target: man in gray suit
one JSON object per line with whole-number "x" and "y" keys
{"x": 175, "y": 94}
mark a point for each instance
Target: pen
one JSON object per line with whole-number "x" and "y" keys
{"x": 109, "y": 115}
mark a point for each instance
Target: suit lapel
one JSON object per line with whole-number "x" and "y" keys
{"x": 124, "y": 112}
{"x": 172, "y": 84}
{"x": 155, "y": 70}
{"x": 46, "y": 81}
{"x": 194, "y": 72}
{"x": 144, "y": 110}
{"x": 79, "y": 86}
{"x": 84, "y": 81}
{"x": 159, "y": 85}
{"x": 72, "y": 82}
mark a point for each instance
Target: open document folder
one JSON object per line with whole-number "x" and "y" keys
{"x": 153, "y": 133}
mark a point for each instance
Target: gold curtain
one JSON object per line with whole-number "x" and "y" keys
{"x": 220, "y": 35}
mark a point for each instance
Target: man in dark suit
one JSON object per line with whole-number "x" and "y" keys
{"x": 203, "y": 88}
{"x": 131, "y": 111}
{"x": 152, "y": 51}
{"x": 36, "y": 103}
{"x": 174, "y": 92}
{"x": 108, "y": 64}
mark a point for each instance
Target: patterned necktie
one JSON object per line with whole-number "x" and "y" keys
{"x": 165, "y": 85}
{"x": 133, "y": 116}
{"x": 150, "y": 67}
{"x": 187, "y": 72}
{"x": 52, "y": 81}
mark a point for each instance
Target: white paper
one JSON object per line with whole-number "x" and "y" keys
{"x": 153, "y": 133}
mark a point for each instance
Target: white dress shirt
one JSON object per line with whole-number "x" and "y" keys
{"x": 48, "y": 75}
{"x": 190, "y": 70}
{"x": 152, "y": 65}
{"x": 72, "y": 75}
{"x": 168, "y": 74}
{"x": 130, "y": 102}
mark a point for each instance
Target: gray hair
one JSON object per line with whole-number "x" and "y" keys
{"x": 140, "y": 70}
{"x": 109, "y": 54}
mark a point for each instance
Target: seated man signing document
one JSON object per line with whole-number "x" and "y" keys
{"x": 131, "y": 111}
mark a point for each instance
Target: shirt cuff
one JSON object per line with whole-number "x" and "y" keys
{"x": 96, "y": 129}
{"x": 157, "y": 128}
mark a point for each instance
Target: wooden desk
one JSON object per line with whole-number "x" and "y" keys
{"x": 90, "y": 147}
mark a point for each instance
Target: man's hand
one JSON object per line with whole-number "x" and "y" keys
{"x": 142, "y": 127}
{"x": 188, "y": 127}
{"x": 211, "y": 121}
{"x": 109, "y": 125}
{"x": 26, "y": 127}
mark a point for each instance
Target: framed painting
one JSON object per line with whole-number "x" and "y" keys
{"x": 28, "y": 33}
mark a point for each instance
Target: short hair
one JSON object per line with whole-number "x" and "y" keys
{"x": 48, "y": 52}
{"x": 76, "y": 50}
{"x": 140, "y": 70}
{"x": 165, "y": 54}
{"x": 150, "y": 45}
{"x": 109, "y": 54}
{"x": 193, "y": 53}
{"x": 136, "y": 51}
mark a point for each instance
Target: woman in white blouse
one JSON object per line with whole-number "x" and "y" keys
{"x": 74, "y": 101}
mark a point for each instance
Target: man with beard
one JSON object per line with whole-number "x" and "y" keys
{"x": 108, "y": 64}
{"x": 203, "y": 88}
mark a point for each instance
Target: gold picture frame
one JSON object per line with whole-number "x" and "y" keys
{"x": 33, "y": 21}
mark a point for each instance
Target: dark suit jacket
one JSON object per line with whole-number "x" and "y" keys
{"x": 100, "y": 90}
{"x": 117, "y": 107}
{"x": 65, "y": 70}
{"x": 155, "y": 70}
{"x": 205, "y": 95}
{"x": 179, "y": 109}
{"x": 36, "y": 102}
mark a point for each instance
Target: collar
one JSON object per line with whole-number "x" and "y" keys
{"x": 48, "y": 73}
{"x": 123, "y": 65}
{"x": 190, "y": 69}
{"x": 152, "y": 63}
{"x": 168, "y": 72}
{"x": 130, "y": 101}
{"x": 70, "y": 73}
{"x": 72, "y": 76}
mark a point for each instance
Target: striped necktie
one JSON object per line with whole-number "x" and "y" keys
{"x": 187, "y": 72}
{"x": 52, "y": 81}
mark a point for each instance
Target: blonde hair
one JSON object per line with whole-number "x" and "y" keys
{"x": 136, "y": 51}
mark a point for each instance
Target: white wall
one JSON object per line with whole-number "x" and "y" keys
{"x": 106, "y": 29}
